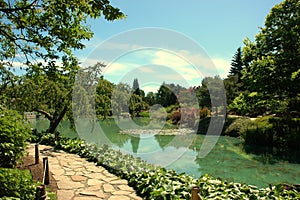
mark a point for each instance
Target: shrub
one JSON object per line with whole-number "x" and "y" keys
{"x": 287, "y": 131}
{"x": 16, "y": 184}
{"x": 13, "y": 135}
{"x": 237, "y": 127}
{"x": 155, "y": 182}
{"x": 275, "y": 132}
{"x": 144, "y": 114}
{"x": 259, "y": 132}
{"x": 172, "y": 108}
{"x": 203, "y": 125}
{"x": 204, "y": 112}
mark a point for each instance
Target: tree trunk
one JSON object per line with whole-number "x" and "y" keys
{"x": 56, "y": 119}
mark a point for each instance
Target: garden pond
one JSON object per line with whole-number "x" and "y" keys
{"x": 227, "y": 160}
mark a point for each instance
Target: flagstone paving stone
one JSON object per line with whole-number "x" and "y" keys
{"x": 78, "y": 179}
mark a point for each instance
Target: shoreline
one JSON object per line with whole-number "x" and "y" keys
{"x": 182, "y": 131}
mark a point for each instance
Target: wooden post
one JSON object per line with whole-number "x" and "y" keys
{"x": 41, "y": 193}
{"x": 46, "y": 176}
{"x": 195, "y": 193}
{"x": 56, "y": 136}
{"x": 37, "y": 156}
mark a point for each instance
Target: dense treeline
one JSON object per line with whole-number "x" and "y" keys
{"x": 266, "y": 71}
{"x": 263, "y": 81}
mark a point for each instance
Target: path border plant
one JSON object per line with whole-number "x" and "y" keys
{"x": 155, "y": 182}
{"x": 16, "y": 184}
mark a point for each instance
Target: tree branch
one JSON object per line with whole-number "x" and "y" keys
{"x": 10, "y": 9}
{"x": 47, "y": 115}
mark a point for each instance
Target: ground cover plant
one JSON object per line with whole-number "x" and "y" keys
{"x": 16, "y": 184}
{"x": 13, "y": 135}
{"x": 155, "y": 182}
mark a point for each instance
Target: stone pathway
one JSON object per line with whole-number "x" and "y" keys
{"x": 78, "y": 179}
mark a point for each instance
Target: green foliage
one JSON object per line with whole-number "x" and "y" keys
{"x": 287, "y": 131}
{"x": 120, "y": 99}
{"x": 204, "y": 112}
{"x": 154, "y": 182}
{"x": 104, "y": 91}
{"x": 48, "y": 30}
{"x": 237, "y": 64}
{"x": 282, "y": 133}
{"x": 16, "y": 184}
{"x": 135, "y": 86}
{"x": 211, "y": 188}
{"x": 136, "y": 89}
{"x": 9, "y": 198}
{"x": 136, "y": 105}
{"x": 203, "y": 125}
{"x": 188, "y": 98}
{"x": 165, "y": 96}
{"x": 238, "y": 127}
{"x": 255, "y": 104}
{"x": 211, "y": 92}
{"x": 150, "y": 98}
{"x": 233, "y": 87}
{"x": 144, "y": 114}
{"x": 175, "y": 117}
{"x": 172, "y": 108}
{"x": 272, "y": 60}
{"x": 13, "y": 135}
{"x": 259, "y": 132}
{"x": 42, "y": 35}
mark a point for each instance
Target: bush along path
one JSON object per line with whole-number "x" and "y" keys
{"x": 157, "y": 183}
{"x": 78, "y": 179}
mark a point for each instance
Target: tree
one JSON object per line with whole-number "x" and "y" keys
{"x": 135, "y": 85}
{"x": 136, "y": 89}
{"x": 42, "y": 35}
{"x": 187, "y": 97}
{"x": 233, "y": 83}
{"x": 236, "y": 64}
{"x": 48, "y": 94}
{"x": 232, "y": 88}
{"x": 202, "y": 94}
{"x": 120, "y": 99}
{"x": 136, "y": 105}
{"x": 32, "y": 30}
{"x": 150, "y": 98}
{"x": 87, "y": 94}
{"x": 103, "y": 98}
{"x": 211, "y": 94}
{"x": 165, "y": 96}
{"x": 272, "y": 61}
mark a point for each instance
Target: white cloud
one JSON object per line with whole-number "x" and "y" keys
{"x": 146, "y": 69}
{"x": 168, "y": 59}
{"x": 86, "y": 62}
{"x": 192, "y": 65}
{"x": 117, "y": 68}
{"x": 223, "y": 66}
{"x": 180, "y": 67}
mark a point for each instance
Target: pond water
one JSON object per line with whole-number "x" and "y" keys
{"x": 227, "y": 159}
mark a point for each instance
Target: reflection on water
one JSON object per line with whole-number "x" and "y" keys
{"x": 227, "y": 160}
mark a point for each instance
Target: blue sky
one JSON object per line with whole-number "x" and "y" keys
{"x": 218, "y": 27}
